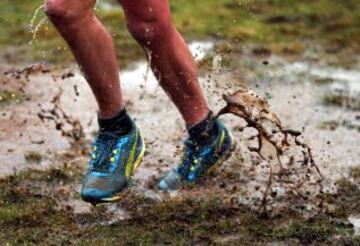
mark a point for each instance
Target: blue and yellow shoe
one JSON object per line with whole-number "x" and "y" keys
{"x": 113, "y": 162}
{"x": 198, "y": 160}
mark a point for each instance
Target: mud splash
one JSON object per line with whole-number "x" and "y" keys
{"x": 248, "y": 173}
{"x": 292, "y": 171}
{"x": 68, "y": 126}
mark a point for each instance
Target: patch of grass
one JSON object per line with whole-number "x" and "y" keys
{"x": 333, "y": 125}
{"x": 332, "y": 99}
{"x": 323, "y": 80}
{"x": 319, "y": 229}
{"x": 7, "y": 97}
{"x": 342, "y": 97}
{"x": 28, "y": 216}
{"x": 329, "y": 125}
{"x": 348, "y": 198}
{"x": 275, "y": 25}
{"x": 355, "y": 173}
{"x": 33, "y": 157}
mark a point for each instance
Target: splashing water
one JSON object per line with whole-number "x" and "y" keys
{"x": 41, "y": 7}
{"x": 35, "y": 28}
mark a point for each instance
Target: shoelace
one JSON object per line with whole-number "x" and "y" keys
{"x": 193, "y": 155}
{"x": 102, "y": 150}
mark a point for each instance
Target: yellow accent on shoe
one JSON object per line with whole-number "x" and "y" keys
{"x": 141, "y": 155}
{"x": 115, "y": 151}
{"x": 227, "y": 156}
{"x": 196, "y": 161}
{"x": 222, "y": 138}
{"x": 131, "y": 163}
{"x": 112, "y": 159}
{"x": 136, "y": 165}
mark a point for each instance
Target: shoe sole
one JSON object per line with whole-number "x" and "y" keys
{"x": 123, "y": 194}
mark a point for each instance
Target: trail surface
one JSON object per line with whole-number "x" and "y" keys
{"x": 298, "y": 92}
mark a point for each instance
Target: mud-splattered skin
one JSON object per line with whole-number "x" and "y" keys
{"x": 294, "y": 166}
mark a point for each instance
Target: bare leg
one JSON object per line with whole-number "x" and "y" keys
{"x": 149, "y": 21}
{"x": 93, "y": 49}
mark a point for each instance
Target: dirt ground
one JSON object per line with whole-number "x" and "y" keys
{"x": 316, "y": 98}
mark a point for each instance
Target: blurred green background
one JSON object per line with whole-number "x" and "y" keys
{"x": 276, "y": 26}
{"x": 31, "y": 203}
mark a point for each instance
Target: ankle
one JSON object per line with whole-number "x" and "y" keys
{"x": 109, "y": 111}
{"x": 120, "y": 124}
{"x": 205, "y": 131}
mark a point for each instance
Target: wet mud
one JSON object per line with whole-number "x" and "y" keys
{"x": 275, "y": 172}
{"x": 292, "y": 170}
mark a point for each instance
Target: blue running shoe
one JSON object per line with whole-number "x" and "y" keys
{"x": 198, "y": 160}
{"x": 113, "y": 161}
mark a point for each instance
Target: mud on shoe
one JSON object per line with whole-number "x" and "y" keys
{"x": 112, "y": 163}
{"x": 198, "y": 158}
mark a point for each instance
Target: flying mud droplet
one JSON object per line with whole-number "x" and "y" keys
{"x": 68, "y": 126}
{"x": 292, "y": 171}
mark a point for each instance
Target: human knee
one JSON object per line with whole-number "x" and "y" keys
{"x": 149, "y": 29}
{"x": 61, "y": 11}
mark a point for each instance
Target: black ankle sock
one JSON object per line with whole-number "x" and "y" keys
{"x": 205, "y": 131}
{"x": 120, "y": 124}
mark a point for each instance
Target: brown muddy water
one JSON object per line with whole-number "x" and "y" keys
{"x": 320, "y": 101}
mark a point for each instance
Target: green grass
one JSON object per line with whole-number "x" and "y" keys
{"x": 33, "y": 157}
{"x": 30, "y": 213}
{"x": 279, "y": 26}
{"x": 8, "y": 97}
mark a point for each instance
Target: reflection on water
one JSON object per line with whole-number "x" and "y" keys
{"x": 355, "y": 221}
{"x": 342, "y": 87}
{"x": 141, "y": 79}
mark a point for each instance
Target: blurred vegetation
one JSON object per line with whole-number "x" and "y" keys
{"x": 277, "y": 26}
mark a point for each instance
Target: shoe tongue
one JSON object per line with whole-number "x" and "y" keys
{"x": 195, "y": 148}
{"x": 204, "y": 130}
{"x": 105, "y": 137}
{"x": 105, "y": 141}
{"x": 204, "y": 138}
{"x": 203, "y": 142}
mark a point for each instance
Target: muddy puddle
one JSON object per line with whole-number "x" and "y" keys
{"x": 299, "y": 93}
{"x": 23, "y": 132}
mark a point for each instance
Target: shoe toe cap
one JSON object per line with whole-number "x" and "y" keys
{"x": 170, "y": 182}
{"x": 163, "y": 185}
